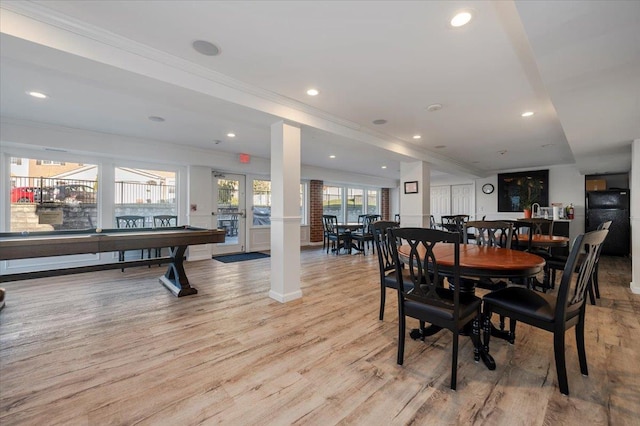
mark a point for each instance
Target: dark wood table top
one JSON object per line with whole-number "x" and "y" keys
{"x": 482, "y": 261}
{"x": 22, "y": 245}
{"x": 541, "y": 240}
{"x": 350, "y": 226}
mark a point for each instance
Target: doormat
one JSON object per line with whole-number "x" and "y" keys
{"x": 230, "y": 258}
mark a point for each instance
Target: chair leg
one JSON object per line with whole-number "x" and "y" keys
{"x": 592, "y": 297}
{"x": 401, "y": 331}
{"x": 582, "y": 354}
{"x": 561, "y": 368}
{"x": 512, "y": 331}
{"x": 383, "y": 295}
{"x": 596, "y": 287}
{"x": 454, "y": 361}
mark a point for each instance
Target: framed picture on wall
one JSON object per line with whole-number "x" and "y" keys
{"x": 517, "y": 191}
{"x": 411, "y": 187}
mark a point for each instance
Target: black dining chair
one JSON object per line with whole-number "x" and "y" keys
{"x": 387, "y": 266}
{"x": 428, "y": 300}
{"x": 531, "y": 227}
{"x": 335, "y": 237}
{"x": 557, "y": 263}
{"x": 129, "y": 221}
{"x": 363, "y": 236}
{"x": 555, "y": 313}
{"x": 163, "y": 221}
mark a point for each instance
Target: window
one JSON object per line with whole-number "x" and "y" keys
{"x": 372, "y": 202}
{"x": 261, "y": 208}
{"x": 352, "y": 204}
{"x": 303, "y": 203}
{"x": 332, "y": 201}
{"x": 48, "y": 199}
{"x": 142, "y": 192}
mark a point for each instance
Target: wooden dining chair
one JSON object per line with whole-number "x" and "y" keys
{"x": 129, "y": 221}
{"x": 429, "y": 300}
{"x": 163, "y": 221}
{"x": 490, "y": 233}
{"x": 387, "y": 266}
{"x": 335, "y": 237}
{"x": 363, "y": 236}
{"x": 555, "y": 313}
{"x": 557, "y": 263}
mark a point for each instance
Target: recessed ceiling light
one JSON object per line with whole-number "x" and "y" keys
{"x": 434, "y": 107}
{"x": 205, "y": 48}
{"x": 502, "y": 152}
{"x": 527, "y": 114}
{"x": 379, "y": 121}
{"x": 332, "y": 156}
{"x": 417, "y": 136}
{"x": 217, "y": 141}
{"x": 231, "y": 135}
{"x": 312, "y": 92}
{"x": 461, "y": 18}
{"x": 384, "y": 167}
{"x": 38, "y": 95}
{"x": 156, "y": 118}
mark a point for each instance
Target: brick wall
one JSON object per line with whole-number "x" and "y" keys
{"x": 315, "y": 211}
{"x": 385, "y": 201}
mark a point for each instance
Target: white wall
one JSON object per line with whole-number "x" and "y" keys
{"x": 566, "y": 185}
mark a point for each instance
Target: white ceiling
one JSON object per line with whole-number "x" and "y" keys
{"x": 108, "y": 65}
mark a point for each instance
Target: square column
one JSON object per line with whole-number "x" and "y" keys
{"x": 285, "y": 212}
{"x": 635, "y": 216}
{"x": 415, "y": 208}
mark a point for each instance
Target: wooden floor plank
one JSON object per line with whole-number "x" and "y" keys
{"x": 116, "y": 347}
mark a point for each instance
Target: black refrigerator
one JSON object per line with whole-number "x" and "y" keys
{"x": 610, "y": 205}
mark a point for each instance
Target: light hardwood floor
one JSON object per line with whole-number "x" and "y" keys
{"x": 118, "y": 348}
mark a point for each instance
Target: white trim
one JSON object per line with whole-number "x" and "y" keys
{"x": 284, "y": 298}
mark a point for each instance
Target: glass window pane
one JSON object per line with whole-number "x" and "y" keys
{"x": 354, "y": 204}
{"x": 372, "y": 202}
{"x": 303, "y": 204}
{"x": 143, "y": 192}
{"x": 261, "y": 203}
{"x": 51, "y": 195}
{"x": 332, "y": 201}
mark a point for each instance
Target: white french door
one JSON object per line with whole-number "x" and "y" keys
{"x": 452, "y": 199}
{"x": 229, "y": 212}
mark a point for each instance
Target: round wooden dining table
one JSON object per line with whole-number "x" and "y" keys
{"x": 481, "y": 262}
{"x": 541, "y": 240}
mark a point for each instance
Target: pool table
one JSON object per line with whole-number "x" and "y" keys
{"x": 24, "y": 245}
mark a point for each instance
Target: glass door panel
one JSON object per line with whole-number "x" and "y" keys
{"x": 230, "y": 212}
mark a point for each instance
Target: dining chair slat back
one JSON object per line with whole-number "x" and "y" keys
{"x": 429, "y": 300}
{"x": 551, "y": 312}
{"x": 386, "y": 265}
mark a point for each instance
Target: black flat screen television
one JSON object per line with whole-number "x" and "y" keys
{"x": 518, "y": 190}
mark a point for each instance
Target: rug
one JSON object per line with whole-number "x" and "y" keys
{"x": 239, "y": 257}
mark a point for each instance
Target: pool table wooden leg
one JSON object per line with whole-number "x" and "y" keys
{"x": 175, "y": 279}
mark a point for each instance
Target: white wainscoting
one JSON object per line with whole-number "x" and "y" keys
{"x": 260, "y": 238}
{"x": 200, "y": 251}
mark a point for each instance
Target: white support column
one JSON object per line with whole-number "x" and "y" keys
{"x": 635, "y": 216}
{"x": 415, "y": 208}
{"x": 285, "y": 212}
